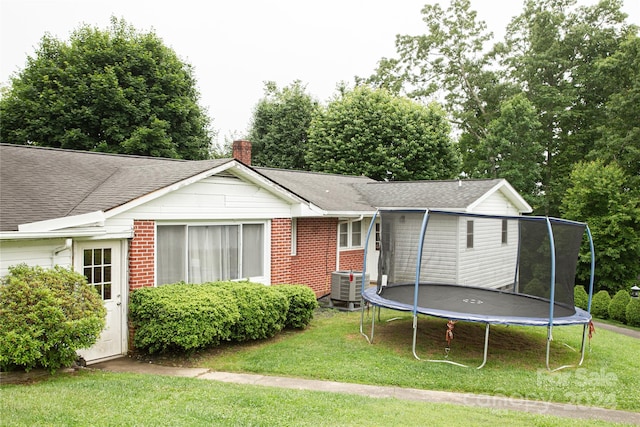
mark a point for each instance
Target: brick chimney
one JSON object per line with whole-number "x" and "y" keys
{"x": 242, "y": 151}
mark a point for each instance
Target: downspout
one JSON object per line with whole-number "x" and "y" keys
{"x": 67, "y": 245}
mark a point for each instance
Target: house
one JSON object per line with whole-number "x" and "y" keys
{"x": 128, "y": 222}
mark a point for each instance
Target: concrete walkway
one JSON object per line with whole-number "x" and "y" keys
{"x": 127, "y": 364}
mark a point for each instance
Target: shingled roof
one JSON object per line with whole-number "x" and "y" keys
{"x": 450, "y": 194}
{"x": 330, "y": 192}
{"x": 38, "y": 184}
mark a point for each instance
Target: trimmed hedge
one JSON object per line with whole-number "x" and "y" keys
{"x": 46, "y": 315}
{"x": 580, "y": 297}
{"x": 600, "y": 304}
{"x": 182, "y": 317}
{"x": 263, "y": 310}
{"x": 633, "y": 312}
{"x": 618, "y": 306}
{"x": 186, "y": 317}
{"x": 302, "y": 303}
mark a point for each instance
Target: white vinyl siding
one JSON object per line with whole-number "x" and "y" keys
{"x": 32, "y": 253}
{"x": 491, "y": 263}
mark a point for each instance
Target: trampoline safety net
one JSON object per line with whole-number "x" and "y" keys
{"x": 511, "y": 254}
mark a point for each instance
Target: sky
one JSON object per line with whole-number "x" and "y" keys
{"x": 235, "y": 46}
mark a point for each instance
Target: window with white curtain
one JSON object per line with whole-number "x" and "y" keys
{"x": 205, "y": 253}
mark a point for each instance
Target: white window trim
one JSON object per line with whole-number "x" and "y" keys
{"x": 350, "y": 245}
{"x": 294, "y": 236}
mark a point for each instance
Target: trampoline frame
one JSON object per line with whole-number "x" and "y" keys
{"x": 419, "y": 310}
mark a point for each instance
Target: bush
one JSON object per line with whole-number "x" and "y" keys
{"x": 633, "y": 312}
{"x": 263, "y": 310}
{"x": 580, "y": 297}
{"x": 46, "y": 316}
{"x": 302, "y": 303}
{"x": 618, "y": 306}
{"x": 600, "y": 304}
{"x": 182, "y": 316}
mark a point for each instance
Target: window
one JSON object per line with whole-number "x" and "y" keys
{"x": 97, "y": 270}
{"x": 377, "y": 236}
{"x": 350, "y": 234}
{"x": 204, "y": 253}
{"x": 505, "y": 228}
{"x": 469, "y": 234}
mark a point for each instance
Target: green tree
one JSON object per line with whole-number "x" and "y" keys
{"x": 599, "y": 195}
{"x": 550, "y": 51}
{"x": 118, "y": 91}
{"x": 511, "y": 149}
{"x": 281, "y": 120}
{"x": 374, "y": 133}
{"x": 619, "y": 138}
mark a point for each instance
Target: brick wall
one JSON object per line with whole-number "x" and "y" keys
{"x": 315, "y": 257}
{"x": 141, "y": 255}
{"x": 351, "y": 260}
{"x": 281, "y": 251}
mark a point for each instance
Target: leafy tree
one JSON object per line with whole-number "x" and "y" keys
{"x": 372, "y": 132}
{"x": 511, "y": 148}
{"x": 550, "y": 51}
{"x": 600, "y": 196}
{"x": 279, "y": 130}
{"x": 620, "y": 131}
{"x": 118, "y": 91}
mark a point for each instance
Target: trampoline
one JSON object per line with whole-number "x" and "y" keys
{"x": 507, "y": 270}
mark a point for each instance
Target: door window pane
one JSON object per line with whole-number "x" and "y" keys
{"x": 97, "y": 270}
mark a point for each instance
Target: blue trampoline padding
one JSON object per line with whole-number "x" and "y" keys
{"x": 475, "y": 304}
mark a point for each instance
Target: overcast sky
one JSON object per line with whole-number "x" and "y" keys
{"x": 236, "y": 45}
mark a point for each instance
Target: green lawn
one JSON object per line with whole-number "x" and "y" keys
{"x": 331, "y": 348}
{"x": 109, "y": 399}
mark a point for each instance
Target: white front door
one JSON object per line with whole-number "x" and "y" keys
{"x": 101, "y": 264}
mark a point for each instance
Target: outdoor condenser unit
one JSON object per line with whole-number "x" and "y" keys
{"x": 346, "y": 287}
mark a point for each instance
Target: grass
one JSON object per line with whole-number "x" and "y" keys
{"x": 331, "y": 348}
{"x": 109, "y": 399}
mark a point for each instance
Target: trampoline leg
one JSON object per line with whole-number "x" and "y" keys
{"x": 486, "y": 346}
{"x": 584, "y": 339}
{"x": 362, "y": 308}
{"x": 415, "y": 335}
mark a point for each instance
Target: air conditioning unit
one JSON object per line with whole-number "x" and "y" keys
{"x": 346, "y": 287}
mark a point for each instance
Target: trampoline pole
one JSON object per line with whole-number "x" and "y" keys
{"x": 415, "y": 335}
{"x": 584, "y": 341}
{"x": 486, "y": 346}
{"x": 548, "y": 346}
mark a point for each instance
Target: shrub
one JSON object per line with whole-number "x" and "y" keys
{"x": 46, "y": 316}
{"x": 618, "y": 306}
{"x": 633, "y": 312}
{"x": 263, "y": 310}
{"x": 580, "y": 297}
{"x": 182, "y": 316}
{"x": 600, "y": 304}
{"x": 302, "y": 303}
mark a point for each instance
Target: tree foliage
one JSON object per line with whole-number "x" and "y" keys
{"x": 117, "y": 90}
{"x": 279, "y": 129}
{"x": 551, "y": 50}
{"x": 374, "y": 133}
{"x": 599, "y": 195}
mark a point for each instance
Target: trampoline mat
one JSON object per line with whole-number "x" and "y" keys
{"x": 475, "y": 304}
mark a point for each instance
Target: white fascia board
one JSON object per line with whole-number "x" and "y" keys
{"x": 511, "y": 194}
{"x": 37, "y": 235}
{"x": 91, "y": 218}
{"x": 350, "y": 214}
